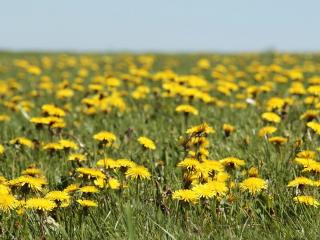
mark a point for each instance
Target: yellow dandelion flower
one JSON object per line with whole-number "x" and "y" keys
{"x": 77, "y": 157}
{"x": 200, "y": 174}
{"x": 90, "y": 173}
{"x": 278, "y": 140}
{"x": 203, "y": 153}
{"x": 32, "y": 171}
{"x": 108, "y": 163}
{"x": 297, "y": 88}
{"x": 307, "y": 154}
{"x": 58, "y": 125}
{"x": 314, "y": 90}
{"x": 301, "y": 181}
{"x": 105, "y": 137}
{"x": 64, "y": 93}
{"x": 189, "y": 163}
{"x": 185, "y": 108}
{"x": 203, "y": 63}
{"x": 71, "y": 188}
{"x": 52, "y": 110}
{"x": 253, "y": 184}
{"x": 138, "y": 172}
{"x": 306, "y": 200}
{"x": 306, "y": 162}
{"x": 202, "y": 141}
{"x": 147, "y": 143}
{"x": 99, "y": 182}
{"x": 7, "y": 202}
{"x": 212, "y": 166}
{"x": 53, "y": 146}
{"x": 232, "y": 162}
{"x": 316, "y": 183}
{"x": 113, "y": 183}
{"x": 310, "y": 114}
{"x": 198, "y": 130}
{"x": 31, "y": 182}
{"x": 4, "y": 189}
{"x": 313, "y": 167}
{"x": 87, "y": 203}
{"x": 22, "y": 141}
{"x": 67, "y": 144}
{"x": 88, "y": 189}
{"x": 295, "y": 74}
{"x": 40, "y": 121}
{"x": 219, "y": 187}
{"x": 210, "y": 189}
{"x": 34, "y": 70}
{"x": 253, "y": 172}
{"x": 4, "y": 118}
{"x": 265, "y": 131}
{"x": 192, "y": 154}
{"x": 204, "y": 191}
{"x": 298, "y": 142}
{"x": 1, "y": 149}
{"x": 40, "y": 204}
{"x": 228, "y": 129}
{"x": 275, "y": 103}
{"x": 271, "y": 117}
{"x": 186, "y": 195}
{"x": 53, "y": 122}
{"x": 57, "y": 195}
{"x": 125, "y": 163}
{"x": 222, "y": 176}
{"x": 60, "y": 197}
{"x": 311, "y": 100}
{"x": 3, "y": 180}
{"x": 314, "y": 126}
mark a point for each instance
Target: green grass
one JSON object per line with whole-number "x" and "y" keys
{"x": 148, "y": 212}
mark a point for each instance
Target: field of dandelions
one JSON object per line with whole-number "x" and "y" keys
{"x": 127, "y": 146}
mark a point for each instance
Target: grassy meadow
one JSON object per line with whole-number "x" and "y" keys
{"x": 185, "y": 146}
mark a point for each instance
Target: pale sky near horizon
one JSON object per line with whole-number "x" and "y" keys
{"x": 163, "y": 25}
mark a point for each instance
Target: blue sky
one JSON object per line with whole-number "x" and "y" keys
{"x": 163, "y": 25}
